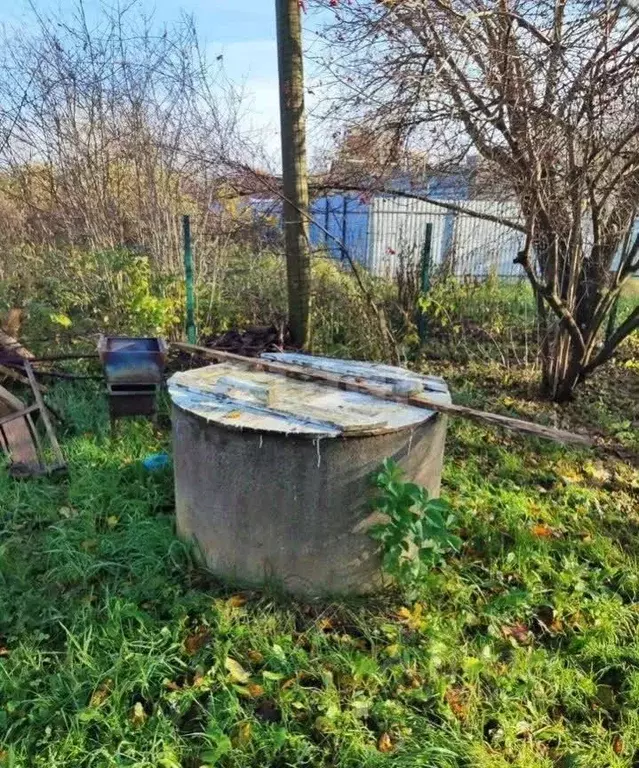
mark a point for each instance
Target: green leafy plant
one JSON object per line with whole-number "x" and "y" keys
{"x": 418, "y": 530}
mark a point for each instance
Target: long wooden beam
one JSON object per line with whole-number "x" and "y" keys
{"x": 418, "y": 401}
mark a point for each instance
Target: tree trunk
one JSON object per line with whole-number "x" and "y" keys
{"x": 294, "y": 172}
{"x": 561, "y": 365}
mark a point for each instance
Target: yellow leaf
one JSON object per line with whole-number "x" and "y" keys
{"x": 384, "y": 743}
{"x": 244, "y": 733}
{"x": 412, "y": 618}
{"x": 100, "y": 694}
{"x": 325, "y": 624}
{"x": 393, "y": 650}
{"x": 236, "y": 601}
{"x": 138, "y": 715}
{"x": 233, "y": 414}
{"x": 112, "y": 521}
{"x": 236, "y": 671}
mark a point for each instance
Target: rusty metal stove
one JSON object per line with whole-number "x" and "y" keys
{"x": 133, "y": 368}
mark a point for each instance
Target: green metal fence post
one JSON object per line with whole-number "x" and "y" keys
{"x": 425, "y": 278}
{"x": 188, "y": 276}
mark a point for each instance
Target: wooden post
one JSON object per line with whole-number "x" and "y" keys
{"x": 294, "y": 173}
{"x": 426, "y": 267}
{"x": 191, "y": 333}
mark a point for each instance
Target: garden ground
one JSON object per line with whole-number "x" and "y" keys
{"x": 116, "y": 649}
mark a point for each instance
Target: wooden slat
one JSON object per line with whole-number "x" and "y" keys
{"x": 44, "y": 413}
{"x": 418, "y": 401}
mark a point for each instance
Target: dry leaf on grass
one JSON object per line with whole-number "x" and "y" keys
{"x": 244, "y": 734}
{"x": 236, "y": 671}
{"x": 325, "y": 624}
{"x": 236, "y": 601}
{"x": 138, "y": 715}
{"x": 196, "y": 640}
{"x": 456, "y": 698}
{"x": 101, "y": 693}
{"x": 384, "y": 743}
{"x": 518, "y": 632}
{"x": 542, "y": 531}
{"x": 413, "y": 619}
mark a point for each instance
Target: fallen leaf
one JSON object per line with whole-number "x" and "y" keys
{"x": 171, "y": 686}
{"x": 101, "y": 693}
{"x": 236, "y": 671}
{"x": 415, "y": 680}
{"x": 112, "y": 521}
{"x": 543, "y": 531}
{"x": 288, "y": 683}
{"x": 236, "y": 601}
{"x": 617, "y": 745}
{"x": 268, "y": 675}
{"x": 456, "y": 700}
{"x": 393, "y": 650}
{"x": 199, "y": 681}
{"x": 412, "y": 618}
{"x": 4, "y": 651}
{"x": 569, "y": 475}
{"x": 255, "y": 690}
{"x": 233, "y": 414}
{"x": 255, "y": 657}
{"x": 518, "y": 632}
{"x": 197, "y": 640}
{"x": 244, "y": 734}
{"x": 325, "y": 624}
{"x": 384, "y": 743}
{"x": 138, "y": 715}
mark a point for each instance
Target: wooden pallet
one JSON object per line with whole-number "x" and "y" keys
{"x": 26, "y": 449}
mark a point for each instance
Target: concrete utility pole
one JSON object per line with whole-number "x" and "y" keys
{"x": 295, "y": 179}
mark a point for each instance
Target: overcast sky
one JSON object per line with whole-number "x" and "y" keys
{"x": 242, "y": 30}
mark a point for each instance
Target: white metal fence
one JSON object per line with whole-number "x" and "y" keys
{"x": 386, "y": 233}
{"x": 462, "y": 243}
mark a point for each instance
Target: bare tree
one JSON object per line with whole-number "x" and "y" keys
{"x": 546, "y": 91}
{"x": 100, "y": 123}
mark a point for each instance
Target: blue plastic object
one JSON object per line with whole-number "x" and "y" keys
{"x": 156, "y": 462}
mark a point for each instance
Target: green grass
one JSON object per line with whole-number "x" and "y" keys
{"x": 522, "y": 651}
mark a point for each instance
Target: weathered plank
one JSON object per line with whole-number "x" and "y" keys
{"x": 419, "y": 401}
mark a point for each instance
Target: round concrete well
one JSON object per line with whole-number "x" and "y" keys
{"x": 273, "y": 475}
